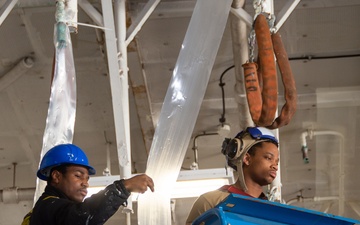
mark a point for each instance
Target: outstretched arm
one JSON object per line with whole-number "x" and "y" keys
{"x": 139, "y": 183}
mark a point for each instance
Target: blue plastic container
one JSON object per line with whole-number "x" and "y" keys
{"x": 243, "y": 210}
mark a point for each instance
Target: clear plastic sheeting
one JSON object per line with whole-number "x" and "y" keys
{"x": 181, "y": 107}
{"x": 60, "y": 120}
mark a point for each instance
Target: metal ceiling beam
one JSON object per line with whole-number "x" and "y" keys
{"x": 25, "y": 126}
{"x": 285, "y": 13}
{"x": 140, "y": 20}
{"x": 6, "y": 9}
{"x": 91, "y": 12}
{"x": 118, "y": 84}
{"x": 139, "y": 87}
{"x": 243, "y": 15}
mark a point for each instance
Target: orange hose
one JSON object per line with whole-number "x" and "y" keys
{"x": 253, "y": 91}
{"x": 268, "y": 71}
{"x": 289, "y": 108}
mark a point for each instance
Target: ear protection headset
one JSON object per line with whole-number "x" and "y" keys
{"x": 237, "y": 147}
{"x": 231, "y": 147}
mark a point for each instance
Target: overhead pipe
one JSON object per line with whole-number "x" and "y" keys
{"x": 300, "y": 198}
{"x": 315, "y": 199}
{"x": 239, "y": 34}
{"x": 16, "y": 72}
{"x": 355, "y": 207}
{"x": 115, "y": 24}
{"x": 107, "y": 170}
{"x": 304, "y": 148}
{"x": 120, "y": 29}
{"x": 15, "y": 195}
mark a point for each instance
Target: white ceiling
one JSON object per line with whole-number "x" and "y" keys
{"x": 322, "y": 41}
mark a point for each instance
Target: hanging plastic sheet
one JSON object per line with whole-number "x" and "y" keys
{"x": 60, "y": 120}
{"x": 181, "y": 107}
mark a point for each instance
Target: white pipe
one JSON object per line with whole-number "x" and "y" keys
{"x": 116, "y": 84}
{"x": 120, "y": 31}
{"x": 16, "y": 72}
{"x": 119, "y": 89}
{"x": 328, "y": 198}
{"x": 239, "y": 35}
{"x": 268, "y": 6}
{"x": 107, "y": 170}
{"x": 315, "y": 199}
{"x": 304, "y": 147}
{"x": 275, "y": 186}
{"x": 14, "y": 195}
{"x": 71, "y": 15}
{"x": 311, "y": 134}
{"x": 355, "y": 207}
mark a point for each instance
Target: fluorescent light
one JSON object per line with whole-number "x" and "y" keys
{"x": 190, "y": 183}
{"x": 194, "y": 188}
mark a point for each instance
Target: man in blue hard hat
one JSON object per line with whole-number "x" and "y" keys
{"x": 66, "y": 169}
{"x": 254, "y": 155}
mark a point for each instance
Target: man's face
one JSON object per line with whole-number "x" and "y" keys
{"x": 73, "y": 183}
{"x": 263, "y": 165}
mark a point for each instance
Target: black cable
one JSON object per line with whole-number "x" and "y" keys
{"x": 310, "y": 57}
{"x": 221, "y": 84}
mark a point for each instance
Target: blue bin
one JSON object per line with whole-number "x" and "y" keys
{"x": 244, "y": 210}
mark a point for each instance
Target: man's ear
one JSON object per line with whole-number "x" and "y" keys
{"x": 56, "y": 176}
{"x": 247, "y": 159}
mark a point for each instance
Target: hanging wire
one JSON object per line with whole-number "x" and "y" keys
{"x": 222, "y": 119}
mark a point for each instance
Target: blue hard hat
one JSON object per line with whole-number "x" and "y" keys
{"x": 60, "y": 155}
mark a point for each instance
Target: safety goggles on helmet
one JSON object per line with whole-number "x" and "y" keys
{"x": 244, "y": 140}
{"x": 63, "y": 154}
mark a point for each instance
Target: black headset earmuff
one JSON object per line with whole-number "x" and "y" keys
{"x": 230, "y": 147}
{"x": 224, "y": 145}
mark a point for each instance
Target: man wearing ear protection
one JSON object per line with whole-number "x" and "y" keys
{"x": 254, "y": 154}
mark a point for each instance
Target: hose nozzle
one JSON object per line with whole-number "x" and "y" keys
{"x": 304, "y": 150}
